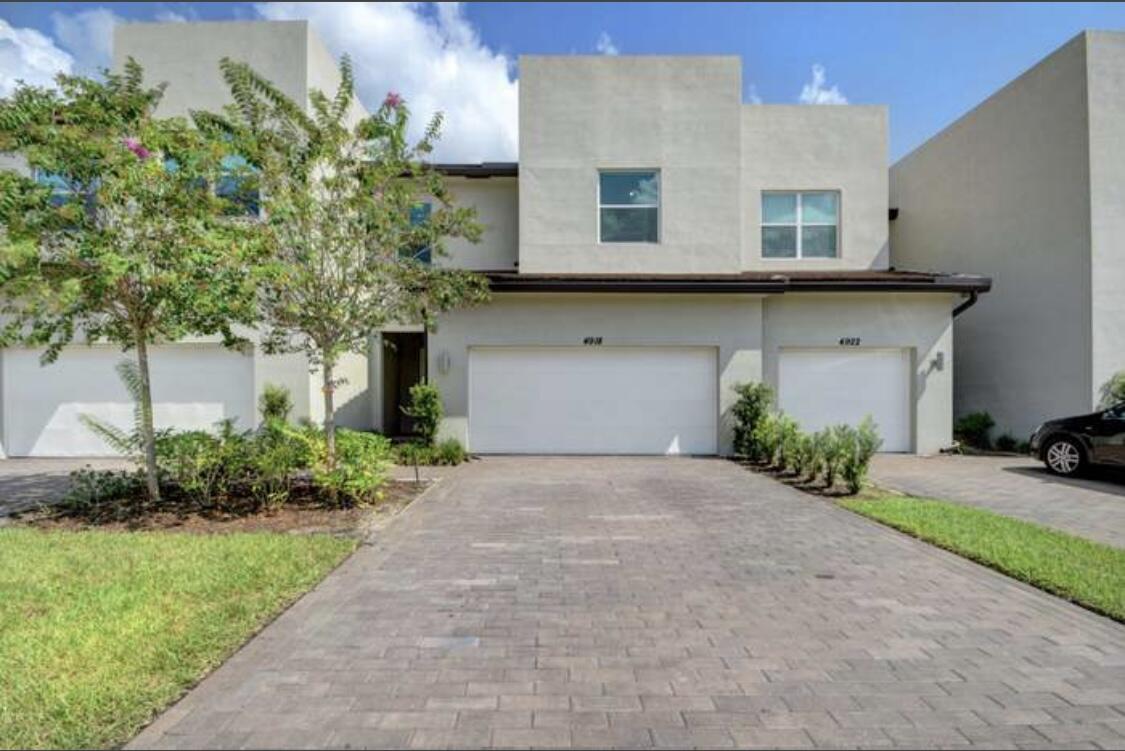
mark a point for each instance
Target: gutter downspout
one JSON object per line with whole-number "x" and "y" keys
{"x": 973, "y": 295}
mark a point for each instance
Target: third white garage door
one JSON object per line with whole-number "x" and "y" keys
{"x": 593, "y": 400}
{"x": 818, "y": 388}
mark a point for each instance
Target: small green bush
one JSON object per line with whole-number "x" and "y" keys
{"x": 362, "y": 466}
{"x": 973, "y": 429}
{"x": 835, "y": 449}
{"x": 1007, "y": 442}
{"x": 766, "y": 438}
{"x": 91, "y": 487}
{"x": 449, "y": 452}
{"x": 861, "y": 444}
{"x": 753, "y": 404}
{"x": 1113, "y": 390}
{"x": 275, "y": 403}
{"x": 426, "y": 410}
{"x": 789, "y": 433}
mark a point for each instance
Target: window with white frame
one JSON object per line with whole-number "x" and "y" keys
{"x": 629, "y": 206}
{"x": 800, "y": 224}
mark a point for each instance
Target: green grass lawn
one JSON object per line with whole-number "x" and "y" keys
{"x": 1085, "y": 572}
{"x": 99, "y": 631}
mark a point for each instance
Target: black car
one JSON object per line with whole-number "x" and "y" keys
{"x": 1069, "y": 445}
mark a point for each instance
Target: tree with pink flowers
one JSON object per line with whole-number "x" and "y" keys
{"x": 117, "y": 228}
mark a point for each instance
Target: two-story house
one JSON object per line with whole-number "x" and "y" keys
{"x": 658, "y": 242}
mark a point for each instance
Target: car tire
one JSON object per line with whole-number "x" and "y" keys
{"x": 1064, "y": 457}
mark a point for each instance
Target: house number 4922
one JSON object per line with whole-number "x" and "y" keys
{"x": 592, "y": 341}
{"x": 849, "y": 341}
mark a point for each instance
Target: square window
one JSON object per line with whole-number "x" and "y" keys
{"x": 799, "y": 224}
{"x": 629, "y": 206}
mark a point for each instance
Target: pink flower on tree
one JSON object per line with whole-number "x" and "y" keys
{"x": 137, "y": 148}
{"x": 393, "y": 100}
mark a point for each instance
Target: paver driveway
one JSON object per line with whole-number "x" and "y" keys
{"x": 1092, "y": 507}
{"x": 675, "y": 602}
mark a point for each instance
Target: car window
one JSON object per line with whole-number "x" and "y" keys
{"x": 1116, "y": 413}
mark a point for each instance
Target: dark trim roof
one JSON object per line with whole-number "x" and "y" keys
{"x": 745, "y": 282}
{"x": 482, "y": 170}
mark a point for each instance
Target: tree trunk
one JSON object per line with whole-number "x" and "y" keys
{"x": 329, "y": 415}
{"x": 148, "y": 431}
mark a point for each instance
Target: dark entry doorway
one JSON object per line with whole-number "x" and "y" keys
{"x": 404, "y": 364}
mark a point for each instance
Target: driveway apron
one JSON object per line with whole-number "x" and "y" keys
{"x": 641, "y": 602}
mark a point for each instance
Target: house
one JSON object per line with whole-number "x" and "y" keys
{"x": 658, "y": 242}
{"x": 1029, "y": 188}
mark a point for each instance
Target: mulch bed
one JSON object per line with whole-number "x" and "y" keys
{"x": 298, "y": 516}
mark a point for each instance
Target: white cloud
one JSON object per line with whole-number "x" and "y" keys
{"x": 605, "y": 45}
{"x": 88, "y": 35}
{"x": 170, "y": 16}
{"x": 752, "y": 96}
{"x": 26, "y": 55}
{"x": 431, "y": 55}
{"x": 815, "y": 92}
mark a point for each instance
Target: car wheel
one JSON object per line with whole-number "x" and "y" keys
{"x": 1064, "y": 457}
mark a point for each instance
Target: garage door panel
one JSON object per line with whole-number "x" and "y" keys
{"x": 819, "y": 388}
{"x": 193, "y": 388}
{"x": 592, "y": 400}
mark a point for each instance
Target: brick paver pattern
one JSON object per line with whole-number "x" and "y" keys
{"x": 1092, "y": 507}
{"x": 636, "y": 603}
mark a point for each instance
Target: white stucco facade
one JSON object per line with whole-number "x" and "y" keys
{"x": 1028, "y": 188}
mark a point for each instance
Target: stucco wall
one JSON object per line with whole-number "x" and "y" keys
{"x": 1004, "y": 192}
{"x": 918, "y": 322}
{"x": 731, "y": 323}
{"x": 798, "y": 147}
{"x": 1106, "y": 80}
{"x": 186, "y": 56}
{"x": 497, "y": 203}
{"x": 680, "y": 115}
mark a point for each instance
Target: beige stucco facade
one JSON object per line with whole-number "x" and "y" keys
{"x": 1028, "y": 189}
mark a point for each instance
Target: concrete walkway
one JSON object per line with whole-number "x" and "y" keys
{"x": 1092, "y": 507}
{"x": 630, "y": 603}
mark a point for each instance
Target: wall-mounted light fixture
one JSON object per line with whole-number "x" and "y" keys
{"x": 938, "y": 363}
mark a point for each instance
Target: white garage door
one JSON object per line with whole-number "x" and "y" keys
{"x": 827, "y": 387}
{"x": 193, "y": 386}
{"x": 593, "y": 400}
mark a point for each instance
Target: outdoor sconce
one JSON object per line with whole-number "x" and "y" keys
{"x": 443, "y": 362}
{"x": 938, "y": 362}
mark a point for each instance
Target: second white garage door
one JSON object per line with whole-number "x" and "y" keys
{"x": 593, "y": 400}
{"x": 819, "y": 388}
{"x": 193, "y": 387}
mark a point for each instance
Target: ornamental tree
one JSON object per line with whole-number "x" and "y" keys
{"x": 351, "y": 250}
{"x": 119, "y": 235}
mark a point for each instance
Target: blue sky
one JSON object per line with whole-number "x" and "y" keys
{"x": 929, "y": 62}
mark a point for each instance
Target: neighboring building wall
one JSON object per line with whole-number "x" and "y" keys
{"x": 1004, "y": 192}
{"x": 186, "y": 56}
{"x": 798, "y": 147}
{"x": 496, "y": 200}
{"x": 731, "y": 323}
{"x": 681, "y": 115}
{"x": 918, "y": 322}
{"x": 1106, "y": 79}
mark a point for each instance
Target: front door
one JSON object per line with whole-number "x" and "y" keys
{"x": 404, "y": 365}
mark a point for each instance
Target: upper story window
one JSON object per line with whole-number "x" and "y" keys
{"x": 419, "y": 215}
{"x": 629, "y": 206}
{"x": 800, "y": 224}
{"x": 238, "y": 184}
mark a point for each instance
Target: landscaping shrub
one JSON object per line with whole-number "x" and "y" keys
{"x": 361, "y": 470}
{"x": 861, "y": 444}
{"x": 426, "y": 410}
{"x": 449, "y": 452}
{"x": 835, "y": 446}
{"x": 766, "y": 438}
{"x": 275, "y": 404}
{"x": 973, "y": 429}
{"x": 788, "y": 436}
{"x": 91, "y": 487}
{"x": 1007, "y": 442}
{"x": 1113, "y": 390}
{"x": 753, "y": 404}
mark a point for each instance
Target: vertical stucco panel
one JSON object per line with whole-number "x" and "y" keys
{"x": 1106, "y": 79}
{"x": 919, "y": 322}
{"x": 842, "y": 148}
{"x": 677, "y": 115}
{"x": 1004, "y": 192}
{"x": 496, "y": 201}
{"x": 186, "y": 56}
{"x": 732, "y": 324}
